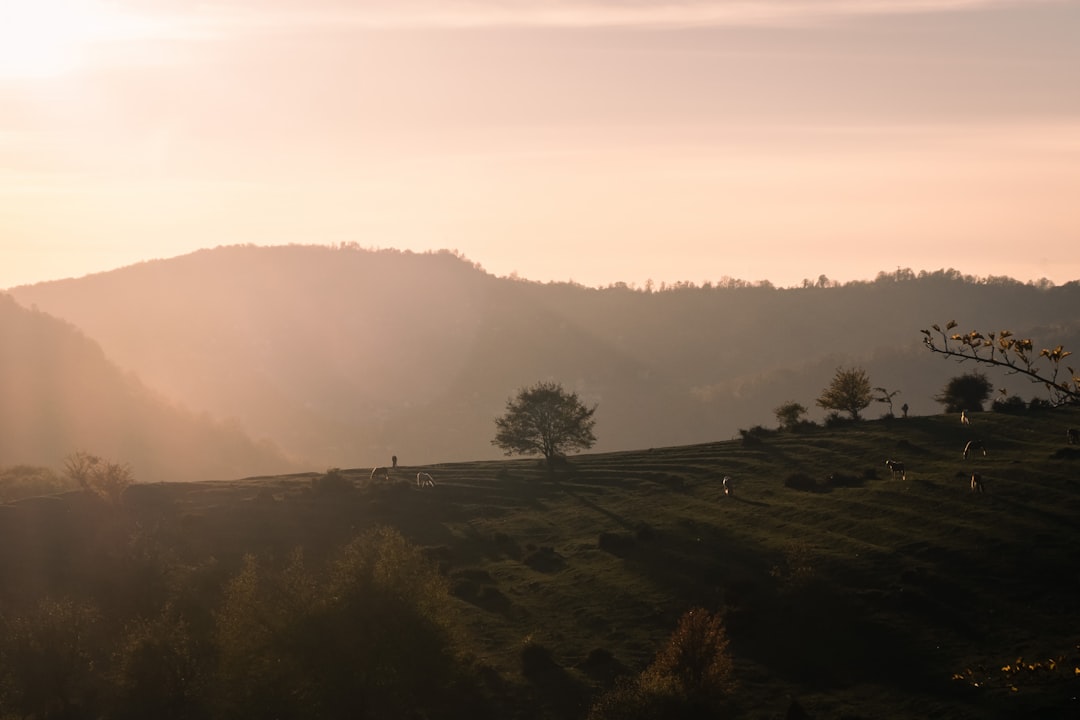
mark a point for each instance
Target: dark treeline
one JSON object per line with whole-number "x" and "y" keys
{"x": 121, "y": 611}
{"x": 343, "y": 356}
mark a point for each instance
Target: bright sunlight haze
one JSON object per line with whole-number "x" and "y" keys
{"x": 597, "y": 142}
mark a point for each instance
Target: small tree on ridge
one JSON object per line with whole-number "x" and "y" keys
{"x": 849, "y": 392}
{"x": 545, "y": 419}
{"x": 965, "y": 392}
{"x": 789, "y": 415}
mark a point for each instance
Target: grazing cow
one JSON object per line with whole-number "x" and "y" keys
{"x": 727, "y": 484}
{"x": 976, "y": 483}
{"x": 964, "y": 419}
{"x": 423, "y": 479}
{"x": 972, "y": 446}
{"x": 383, "y": 472}
{"x": 897, "y": 469}
{"x": 1073, "y": 436}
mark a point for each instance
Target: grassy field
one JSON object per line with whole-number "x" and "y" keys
{"x": 867, "y": 596}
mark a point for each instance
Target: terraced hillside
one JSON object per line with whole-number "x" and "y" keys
{"x": 856, "y": 591}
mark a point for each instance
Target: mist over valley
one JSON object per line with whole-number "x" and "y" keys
{"x": 315, "y": 356}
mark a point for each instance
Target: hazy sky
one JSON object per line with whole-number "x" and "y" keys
{"x": 599, "y": 141}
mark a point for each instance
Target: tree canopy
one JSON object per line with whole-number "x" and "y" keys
{"x": 547, "y": 420}
{"x": 848, "y": 392}
{"x": 965, "y": 392}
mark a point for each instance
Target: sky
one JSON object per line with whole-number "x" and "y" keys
{"x": 597, "y": 141}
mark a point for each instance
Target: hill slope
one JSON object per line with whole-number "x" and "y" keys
{"x": 61, "y": 394}
{"x": 864, "y": 596}
{"x": 345, "y": 356}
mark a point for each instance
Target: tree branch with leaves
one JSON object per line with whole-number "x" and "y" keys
{"x": 1014, "y": 355}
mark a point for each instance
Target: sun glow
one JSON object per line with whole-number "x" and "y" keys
{"x": 45, "y": 38}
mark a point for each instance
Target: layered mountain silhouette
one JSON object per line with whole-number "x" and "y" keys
{"x": 342, "y": 356}
{"x": 61, "y": 394}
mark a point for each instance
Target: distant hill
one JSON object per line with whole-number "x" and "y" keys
{"x": 61, "y": 394}
{"x": 345, "y": 356}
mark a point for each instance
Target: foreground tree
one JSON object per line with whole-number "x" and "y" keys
{"x": 848, "y": 392}
{"x": 547, "y": 420}
{"x": 1014, "y": 355}
{"x": 965, "y": 392}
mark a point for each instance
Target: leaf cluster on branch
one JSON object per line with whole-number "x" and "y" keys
{"x": 1015, "y": 355}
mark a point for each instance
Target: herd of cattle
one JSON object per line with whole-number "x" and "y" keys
{"x": 1072, "y": 437}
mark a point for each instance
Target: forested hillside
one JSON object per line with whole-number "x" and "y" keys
{"x": 60, "y": 393}
{"x": 344, "y": 356}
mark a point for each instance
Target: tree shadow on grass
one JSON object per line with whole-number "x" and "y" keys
{"x": 603, "y": 511}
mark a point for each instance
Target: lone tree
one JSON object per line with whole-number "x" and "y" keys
{"x": 545, "y": 420}
{"x": 1016, "y": 356}
{"x": 849, "y": 392}
{"x": 965, "y": 392}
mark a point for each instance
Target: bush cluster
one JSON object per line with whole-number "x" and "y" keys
{"x": 333, "y": 482}
{"x": 102, "y": 478}
{"x": 368, "y": 635}
{"x": 691, "y": 677}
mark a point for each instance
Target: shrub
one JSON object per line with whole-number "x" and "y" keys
{"x": 691, "y": 676}
{"x": 789, "y": 415}
{"x": 23, "y": 481}
{"x": 544, "y": 559}
{"x": 157, "y": 672}
{"x": 47, "y": 660}
{"x": 965, "y": 392}
{"x": 629, "y": 700}
{"x": 695, "y": 662}
{"x": 371, "y": 636}
{"x": 754, "y": 436}
{"x": 535, "y": 658}
{"x": 836, "y": 420}
{"x": 107, "y": 480}
{"x": 1010, "y": 404}
{"x": 838, "y": 480}
{"x": 801, "y": 481}
{"x": 333, "y": 482}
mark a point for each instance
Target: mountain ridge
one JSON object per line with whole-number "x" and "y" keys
{"x": 344, "y": 356}
{"x": 62, "y": 394}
